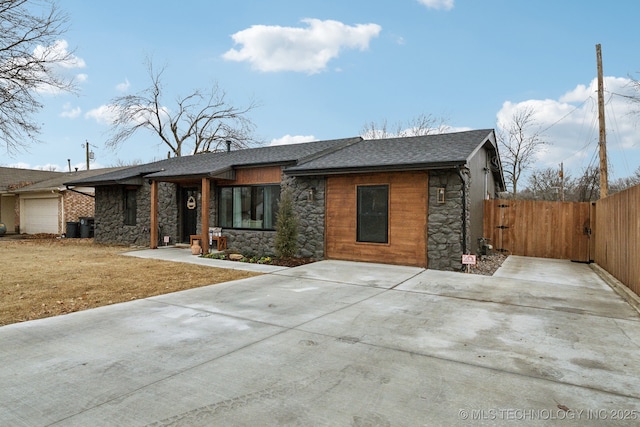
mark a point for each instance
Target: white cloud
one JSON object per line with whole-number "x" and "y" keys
{"x": 19, "y": 165}
{"x": 275, "y": 48}
{"x": 570, "y": 126}
{"x": 61, "y": 61}
{"x": 107, "y": 114}
{"x": 124, "y": 86}
{"x": 104, "y": 114}
{"x": 69, "y": 112}
{"x": 60, "y": 54}
{"x": 438, "y": 4}
{"x": 292, "y": 139}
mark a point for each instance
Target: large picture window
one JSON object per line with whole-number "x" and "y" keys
{"x": 130, "y": 206}
{"x": 253, "y": 207}
{"x": 373, "y": 213}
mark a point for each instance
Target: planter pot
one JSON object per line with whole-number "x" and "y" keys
{"x": 195, "y": 248}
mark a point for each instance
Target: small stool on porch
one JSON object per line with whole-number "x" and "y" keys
{"x": 221, "y": 242}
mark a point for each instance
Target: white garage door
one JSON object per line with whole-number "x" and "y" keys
{"x": 40, "y": 216}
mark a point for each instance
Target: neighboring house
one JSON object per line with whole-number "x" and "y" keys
{"x": 412, "y": 201}
{"x": 46, "y": 206}
{"x": 12, "y": 179}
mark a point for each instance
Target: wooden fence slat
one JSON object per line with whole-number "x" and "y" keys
{"x": 538, "y": 228}
{"x": 617, "y": 235}
{"x": 561, "y": 230}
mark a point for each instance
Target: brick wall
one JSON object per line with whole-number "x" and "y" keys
{"x": 78, "y": 205}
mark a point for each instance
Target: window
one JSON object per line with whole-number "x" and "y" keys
{"x": 373, "y": 213}
{"x": 253, "y": 207}
{"x": 130, "y": 206}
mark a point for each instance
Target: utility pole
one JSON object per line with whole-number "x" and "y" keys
{"x": 90, "y": 155}
{"x": 604, "y": 173}
{"x": 87, "y": 145}
{"x": 562, "y": 181}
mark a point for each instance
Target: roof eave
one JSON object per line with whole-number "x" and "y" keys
{"x": 375, "y": 169}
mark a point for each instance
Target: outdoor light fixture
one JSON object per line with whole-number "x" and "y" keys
{"x": 311, "y": 194}
{"x": 440, "y": 195}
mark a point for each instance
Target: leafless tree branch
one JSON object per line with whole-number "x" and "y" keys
{"x": 29, "y": 63}
{"x": 202, "y": 121}
{"x": 521, "y": 140}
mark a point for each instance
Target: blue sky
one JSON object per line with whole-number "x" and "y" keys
{"x": 324, "y": 69}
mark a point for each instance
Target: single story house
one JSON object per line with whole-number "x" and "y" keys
{"x": 12, "y": 179}
{"x": 46, "y": 206}
{"x": 411, "y": 201}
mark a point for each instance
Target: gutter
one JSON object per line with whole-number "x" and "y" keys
{"x": 80, "y": 192}
{"x": 464, "y": 209}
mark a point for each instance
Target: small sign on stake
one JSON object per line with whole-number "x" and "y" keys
{"x": 468, "y": 260}
{"x": 166, "y": 240}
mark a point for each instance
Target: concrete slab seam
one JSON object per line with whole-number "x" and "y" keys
{"x": 474, "y": 365}
{"x": 172, "y": 375}
{"x": 570, "y": 311}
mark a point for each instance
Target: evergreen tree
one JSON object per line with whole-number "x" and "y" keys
{"x": 286, "y": 228}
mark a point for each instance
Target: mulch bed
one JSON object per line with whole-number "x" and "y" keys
{"x": 292, "y": 262}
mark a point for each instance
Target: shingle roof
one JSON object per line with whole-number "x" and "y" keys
{"x": 58, "y": 181}
{"x": 206, "y": 164}
{"x": 419, "y": 152}
{"x": 15, "y": 176}
{"x": 314, "y": 158}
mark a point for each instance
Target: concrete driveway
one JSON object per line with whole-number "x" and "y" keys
{"x": 333, "y": 343}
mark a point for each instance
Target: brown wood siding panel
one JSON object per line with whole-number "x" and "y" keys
{"x": 266, "y": 175}
{"x": 407, "y": 219}
{"x": 539, "y": 228}
{"x": 617, "y": 235}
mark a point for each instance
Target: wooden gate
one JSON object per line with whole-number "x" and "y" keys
{"x": 559, "y": 230}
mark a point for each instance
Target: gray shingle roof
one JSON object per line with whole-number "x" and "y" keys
{"x": 14, "y": 176}
{"x": 206, "y": 164}
{"x": 313, "y": 158}
{"x": 419, "y": 152}
{"x": 58, "y": 181}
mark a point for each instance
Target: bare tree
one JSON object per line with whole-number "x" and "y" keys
{"x": 626, "y": 182}
{"x": 546, "y": 184}
{"x": 521, "y": 140}
{"x": 587, "y": 186}
{"x": 203, "y": 121}
{"x": 423, "y": 124}
{"x": 30, "y": 57}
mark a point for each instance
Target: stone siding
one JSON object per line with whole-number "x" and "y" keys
{"x": 310, "y": 212}
{"x": 310, "y": 215}
{"x": 445, "y": 221}
{"x": 109, "y": 215}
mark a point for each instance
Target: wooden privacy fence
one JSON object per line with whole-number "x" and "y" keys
{"x": 560, "y": 230}
{"x": 617, "y": 233}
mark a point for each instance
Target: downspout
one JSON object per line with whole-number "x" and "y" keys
{"x": 464, "y": 208}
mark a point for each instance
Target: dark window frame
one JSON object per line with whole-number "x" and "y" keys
{"x": 130, "y": 196}
{"x": 371, "y": 214}
{"x": 256, "y": 216}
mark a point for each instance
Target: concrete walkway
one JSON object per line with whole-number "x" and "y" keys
{"x": 334, "y": 343}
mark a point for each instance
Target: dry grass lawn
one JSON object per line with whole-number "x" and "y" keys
{"x": 43, "y": 278}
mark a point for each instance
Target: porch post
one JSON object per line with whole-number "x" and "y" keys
{"x": 206, "y": 195}
{"x": 154, "y": 215}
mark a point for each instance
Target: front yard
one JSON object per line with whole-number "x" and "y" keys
{"x": 48, "y": 277}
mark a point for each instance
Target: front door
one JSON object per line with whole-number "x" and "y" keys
{"x": 189, "y": 207}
